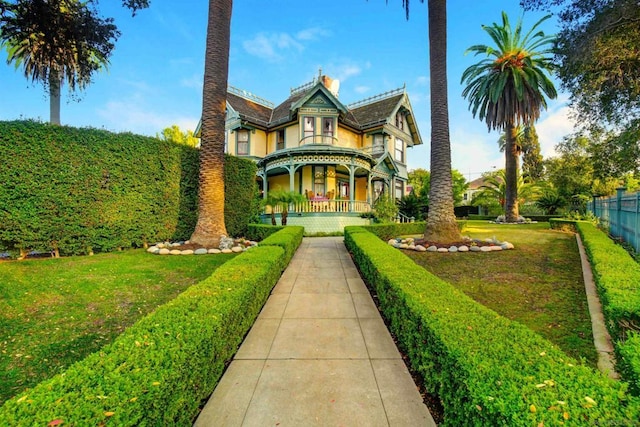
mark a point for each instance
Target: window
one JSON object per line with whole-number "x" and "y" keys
{"x": 399, "y": 154}
{"x": 318, "y": 180}
{"x": 400, "y": 120}
{"x": 378, "y": 189}
{"x": 309, "y": 128}
{"x": 242, "y": 148}
{"x": 280, "y": 139}
{"x": 327, "y": 130}
{"x": 378, "y": 143}
{"x": 343, "y": 187}
{"x": 399, "y": 189}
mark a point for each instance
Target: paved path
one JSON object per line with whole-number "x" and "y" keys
{"x": 319, "y": 354}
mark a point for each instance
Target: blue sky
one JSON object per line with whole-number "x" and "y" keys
{"x": 155, "y": 76}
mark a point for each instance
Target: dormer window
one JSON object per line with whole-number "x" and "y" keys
{"x": 327, "y": 130}
{"x": 309, "y": 127}
{"x": 378, "y": 143}
{"x": 242, "y": 142}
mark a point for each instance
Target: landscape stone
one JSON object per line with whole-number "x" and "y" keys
{"x": 403, "y": 246}
{"x": 420, "y": 248}
{"x": 453, "y": 249}
{"x": 411, "y": 246}
{"x": 175, "y": 252}
{"x": 152, "y": 249}
{"x": 485, "y": 248}
{"x": 496, "y": 248}
{"x": 392, "y": 242}
{"x": 214, "y": 251}
{"x": 226, "y": 251}
{"x": 200, "y": 251}
{"x": 432, "y": 248}
{"x": 236, "y": 249}
{"x": 463, "y": 248}
{"x": 186, "y": 252}
{"x": 475, "y": 249}
{"x": 443, "y": 250}
{"x": 164, "y": 251}
{"x": 507, "y": 245}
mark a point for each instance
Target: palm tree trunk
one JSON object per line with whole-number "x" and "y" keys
{"x": 441, "y": 221}
{"x": 511, "y": 154}
{"x": 210, "y": 225}
{"x": 54, "y": 98}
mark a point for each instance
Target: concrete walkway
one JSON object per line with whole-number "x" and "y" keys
{"x": 319, "y": 354}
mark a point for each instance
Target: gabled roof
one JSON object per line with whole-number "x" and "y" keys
{"x": 376, "y": 112}
{"x": 250, "y": 110}
{"x": 311, "y": 93}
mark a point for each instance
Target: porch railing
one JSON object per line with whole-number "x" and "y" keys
{"x": 324, "y": 206}
{"x": 318, "y": 139}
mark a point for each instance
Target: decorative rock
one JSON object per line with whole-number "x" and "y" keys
{"x": 186, "y": 252}
{"x": 453, "y": 249}
{"x": 432, "y": 248}
{"x": 153, "y": 249}
{"x": 463, "y": 248}
{"x": 200, "y": 251}
{"x": 226, "y": 251}
{"x": 236, "y": 249}
{"x": 403, "y": 246}
{"x": 485, "y": 248}
{"x": 226, "y": 242}
{"x": 496, "y": 248}
{"x": 411, "y": 246}
{"x": 175, "y": 252}
{"x": 164, "y": 251}
{"x": 214, "y": 251}
{"x": 507, "y": 245}
{"x": 475, "y": 249}
{"x": 420, "y": 248}
{"x": 443, "y": 250}
{"x": 161, "y": 246}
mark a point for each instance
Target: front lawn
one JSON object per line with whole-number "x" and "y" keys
{"x": 54, "y": 312}
{"x": 538, "y": 284}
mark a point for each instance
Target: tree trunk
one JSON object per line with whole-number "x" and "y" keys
{"x": 273, "y": 217}
{"x": 54, "y": 98}
{"x": 283, "y": 215}
{"x": 441, "y": 221}
{"x": 511, "y": 154}
{"x": 210, "y": 225}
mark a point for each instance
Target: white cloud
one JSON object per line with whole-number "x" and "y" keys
{"x": 314, "y": 33}
{"x": 194, "y": 82}
{"x": 474, "y": 153}
{"x": 422, "y": 81}
{"x": 362, "y": 89}
{"x": 553, "y": 127}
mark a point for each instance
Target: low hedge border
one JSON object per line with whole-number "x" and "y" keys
{"x": 617, "y": 276}
{"x": 289, "y": 238}
{"x": 387, "y": 231}
{"x": 159, "y": 371}
{"x": 259, "y": 232}
{"x": 486, "y": 369}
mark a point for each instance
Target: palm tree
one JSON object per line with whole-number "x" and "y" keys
{"x": 495, "y": 188}
{"x": 56, "y": 41}
{"x": 283, "y": 199}
{"x": 528, "y": 146}
{"x": 508, "y": 89}
{"x": 441, "y": 221}
{"x": 210, "y": 225}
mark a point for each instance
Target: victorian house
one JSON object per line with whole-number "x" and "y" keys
{"x": 341, "y": 158}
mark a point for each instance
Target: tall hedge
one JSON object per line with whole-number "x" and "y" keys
{"x": 241, "y": 201}
{"x": 80, "y": 190}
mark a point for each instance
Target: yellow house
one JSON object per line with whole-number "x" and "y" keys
{"x": 342, "y": 158}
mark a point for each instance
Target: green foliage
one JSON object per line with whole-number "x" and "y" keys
{"x": 77, "y": 190}
{"x": 159, "y": 371}
{"x": 282, "y": 199}
{"x": 392, "y": 230}
{"x": 420, "y": 180}
{"x": 617, "y": 276}
{"x": 176, "y": 135}
{"x": 385, "y": 209}
{"x": 241, "y": 203}
{"x": 550, "y": 201}
{"x": 413, "y": 206}
{"x": 259, "y": 232}
{"x": 493, "y": 192}
{"x": 289, "y": 238}
{"x": 628, "y": 360}
{"x": 486, "y": 369}
{"x": 460, "y": 185}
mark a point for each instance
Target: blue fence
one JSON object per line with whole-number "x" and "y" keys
{"x": 621, "y": 214}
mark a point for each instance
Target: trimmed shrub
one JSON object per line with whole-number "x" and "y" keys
{"x": 486, "y": 369}
{"x": 241, "y": 203}
{"x": 289, "y": 238}
{"x": 562, "y": 224}
{"x": 391, "y": 230}
{"x": 628, "y": 360}
{"x": 260, "y": 232}
{"x": 160, "y": 370}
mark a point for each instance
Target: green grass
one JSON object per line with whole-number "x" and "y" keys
{"x": 538, "y": 284}
{"x": 54, "y": 312}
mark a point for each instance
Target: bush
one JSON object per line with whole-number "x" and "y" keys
{"x": 392, "y": 230}
{"x": 260, "y": 232}
{"x": 486, "y": 369}
{"x": 289, "y": 238}
{"x": 241, "y": 203}
{"x": 160, "y": 370}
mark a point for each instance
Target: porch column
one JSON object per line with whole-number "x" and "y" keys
{"x": 369, "y": 189}
{"x": 352, "y": 173}
{"x": 265, "y": 183}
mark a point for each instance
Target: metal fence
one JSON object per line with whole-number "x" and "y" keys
{"x": 620, "y": 214}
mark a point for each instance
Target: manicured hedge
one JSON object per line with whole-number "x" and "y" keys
{"x": 260, "y": 232}
{"x": 487, "y": 370}
{"x": 617, "y": 278}
{"x": 241, "y": 203}
{"x": 81, "y": 190}
{"x": 289, "y": 238}
{"x": 159, "y": 371}
{"x": 392, "y": 230}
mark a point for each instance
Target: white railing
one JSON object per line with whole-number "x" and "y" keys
{"x": 318, "y": 139}
{"x": 324, "y": 206}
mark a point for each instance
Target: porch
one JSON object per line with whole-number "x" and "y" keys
{"x": 322, "y": 204}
